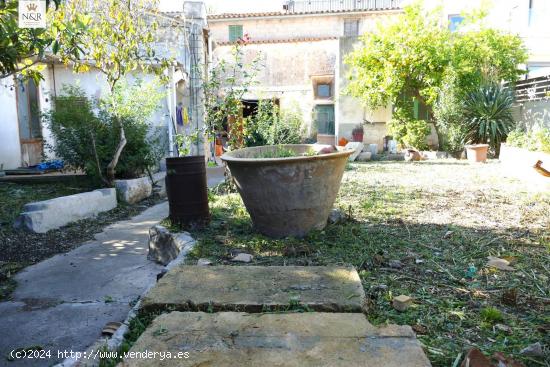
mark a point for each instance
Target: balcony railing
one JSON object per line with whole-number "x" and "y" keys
{"x": 315, "y": 6}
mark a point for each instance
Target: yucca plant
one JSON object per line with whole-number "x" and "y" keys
{"x": 488, "y": 115}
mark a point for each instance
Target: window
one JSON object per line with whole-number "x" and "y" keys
{"x": 323, "y": 91}
{"x": 351, "y": 27}
{"x": 235, "y": 33}
{"x": 454, "y": 22}
{"x": 324, "y": 119}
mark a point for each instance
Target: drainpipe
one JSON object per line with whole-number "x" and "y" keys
{"x": 170, "y": 96}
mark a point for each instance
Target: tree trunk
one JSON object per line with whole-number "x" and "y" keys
{"x": 94, "y": 149}
{"x": 112, "y": 165}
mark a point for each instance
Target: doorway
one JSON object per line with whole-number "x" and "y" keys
{"x": 30, "y": 129}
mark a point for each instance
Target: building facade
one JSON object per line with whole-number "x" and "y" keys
{"x": 24, "y": 138}
{"x": 302, "y": 49}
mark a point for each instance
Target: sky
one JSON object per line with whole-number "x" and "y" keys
{"x": 228, "y": 6}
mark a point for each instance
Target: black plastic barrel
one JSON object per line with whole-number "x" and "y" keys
{"x": 186, "y": 188}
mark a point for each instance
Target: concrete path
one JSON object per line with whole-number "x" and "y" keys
{"x": 62, "y": 303}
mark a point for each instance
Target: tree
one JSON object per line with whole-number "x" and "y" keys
{"x": 23, "y": 49}
{"x": 416, "y": 57}
{"x": 120, "y": 40}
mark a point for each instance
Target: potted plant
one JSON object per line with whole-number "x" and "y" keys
{"x": 357, "y": 133}
{"x": 289, "y": 189}
{"x": 488, "y": 120}
{"x": 186, "y": 184}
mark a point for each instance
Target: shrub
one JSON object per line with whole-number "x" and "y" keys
{"x": 86, "y": 134}
{"x": 273, "y": 126}
{"x": 408, "y": 131}
{"x": 535, "y": 140}
{"x": 487, "y": 114}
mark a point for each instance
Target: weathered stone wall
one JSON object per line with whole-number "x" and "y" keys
{"x": 294, "y": 51}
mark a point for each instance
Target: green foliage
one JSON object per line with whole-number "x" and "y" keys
{"x": 272, "y": 126}
{"x": 487, "y": 115}
{"x": 406, "y": 57}
{"x": 21, "y": 49}
{"x": 120, "y": 39}
{"x": 534, "y": 140}
{"x": 280, "y": 152}
{"x": 224, "y": 88}
{"x": 414, "y": 55}
{"x": 408, "y": 131}
{"x": 418, "y": 57}
{"x": 86, "y": 140}
{"x": 491, "y": 315}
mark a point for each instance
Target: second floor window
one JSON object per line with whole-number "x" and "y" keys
{"x": 323, "y": 91}
{"x": 235, "y": 33}
{"x": 351, "y": 27}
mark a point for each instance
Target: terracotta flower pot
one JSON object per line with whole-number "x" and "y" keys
{"x": 477, "y": 153}
{"x": 287, "y": 196}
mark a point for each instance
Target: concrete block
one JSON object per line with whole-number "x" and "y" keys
{"x": 42, "y": 216}
{"x": 134, "y": 190}
{"x": 309, "y": 339}
{"x": 357, "y": 147}
{"x": 256, "y": 288}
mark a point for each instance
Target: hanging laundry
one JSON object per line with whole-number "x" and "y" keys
{"x": 185, "y": 116}
{"x": 179, "y": 116}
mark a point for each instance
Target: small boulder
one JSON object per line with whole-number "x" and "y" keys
{"x": 243, "y": 258}
{"x": 165, "y": 246}
{"x": 204, "y": 262}
{"x": 533, "y": 350}
{"x": 336, "y": 216}
{"x": 402, "y": 303}
{"x": 357, "y": 148}
{"x": 364, "y": 157}
{"x": 412, "y": 155}
{"x": 395, "y": 264}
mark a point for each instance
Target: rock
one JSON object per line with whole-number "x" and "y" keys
{"x": 328, "y": 150}
{"x": 165, "y": 246}
{"x": 242, "y": 257}
{"x": 395, "y": 264}
{"x": 507, "y": 329}
{"x": 42, "y": 216}
{"x": 475, "y": 358}
{"x": 336, "y": 216}
{"x": 448, "y": 235}
{"x": 134, "y": 190}
{"x": 412, "y": 155}
{"x": 498, "y": 263}
{"x": 533, "y": 350}
{"x": 430, "y": 154}
{"x": 357, "y": 147}
{"x": 402, "y": 303}
{"x": 204, "y": 262}
{"x": 364, "y": 157}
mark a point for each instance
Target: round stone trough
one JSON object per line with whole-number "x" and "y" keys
{"x": 287, "y": 196}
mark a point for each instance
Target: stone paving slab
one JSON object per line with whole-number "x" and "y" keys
{"x": 257, "y": 289}
{"x": 291, "y": 339}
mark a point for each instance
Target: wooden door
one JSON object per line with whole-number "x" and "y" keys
{"x": 30, "y": 129}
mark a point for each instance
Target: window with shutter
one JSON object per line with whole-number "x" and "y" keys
{"x": 235, "y": 33}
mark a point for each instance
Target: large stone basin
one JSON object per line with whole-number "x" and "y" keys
{"x": 287, "y": 196}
